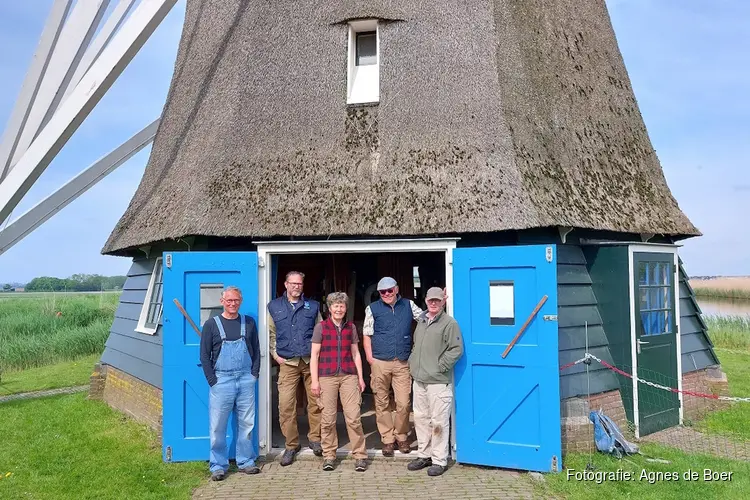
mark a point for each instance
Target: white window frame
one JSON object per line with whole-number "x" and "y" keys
{"x": 142, "y": 326}
{"x": 363, "y": 82}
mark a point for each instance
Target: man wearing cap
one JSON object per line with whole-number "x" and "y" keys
{"x": 437, "y": 348}
{"x": 387, "y": 342}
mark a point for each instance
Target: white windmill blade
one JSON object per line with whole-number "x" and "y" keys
{"x": 77, "y": 32}
{"x": 85, "y": 180}
{"x": 97, "y": 81}
{"x": 50, "y": 34}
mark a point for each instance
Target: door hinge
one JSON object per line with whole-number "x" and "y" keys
{"x": 554, "y": 463}
{"x": 548, "y": 253}
{"x": 261, "y": 262}
{"x": 169, "y": 453}
{"x": 168, "y": 260}
{"x": 550, "y": 317}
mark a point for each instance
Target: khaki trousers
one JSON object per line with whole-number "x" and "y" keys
{"x": 432, "y": 413}
{"x": 346, "y": 387}
{"x": 385, "y": 374}
{"x": 289, "y": 376}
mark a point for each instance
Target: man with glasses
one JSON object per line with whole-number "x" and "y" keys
{"x": 230, "y": 358}
{"x": 291, "y": 320}
{"x": 387, "y": 342}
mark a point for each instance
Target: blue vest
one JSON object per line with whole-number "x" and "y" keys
{"x": 294, "y": 329}
{"x": 391, "y": 337}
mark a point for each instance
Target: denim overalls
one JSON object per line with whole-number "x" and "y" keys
{"x": 234, "y": 390}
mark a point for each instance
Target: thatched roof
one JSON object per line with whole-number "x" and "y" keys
{"x": 502, "y": 115}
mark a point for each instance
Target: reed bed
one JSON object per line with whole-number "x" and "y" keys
{"x": 46, "y": 329}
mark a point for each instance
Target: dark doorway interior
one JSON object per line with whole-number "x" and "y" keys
{"x": 357, "y": 275}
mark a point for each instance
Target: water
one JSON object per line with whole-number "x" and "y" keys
{"x": 724, "y": 307}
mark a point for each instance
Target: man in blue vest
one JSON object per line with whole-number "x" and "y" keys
{"x": 387, "y": 342}
{"x": 291, "y": 320}
{"x": 230, "y": 358}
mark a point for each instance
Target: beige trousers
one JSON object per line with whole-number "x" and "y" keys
{"x": 385, "y": 374}
{"x": 289, "y": 376}
{"x": 346, "y": 387}
{"x": 432, "y": 413}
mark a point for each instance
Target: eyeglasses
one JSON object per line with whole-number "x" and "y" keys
{"x": 232, "y": 301}
{"x": 386, "y": 292}
{"x": 293, "y": 284}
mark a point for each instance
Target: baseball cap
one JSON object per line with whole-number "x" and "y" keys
{"x": 386, "y": 283}
{"x": 435, "y": 293}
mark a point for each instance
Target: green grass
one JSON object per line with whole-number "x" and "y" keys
{"x": 722, "y": 293}
{"x": 561, "y": 485}
{"x": 730, "y": 332}
{"x": 71, "y": 447}
{"x": 41, "y": 330}
{"x": 734, "y": 421}
{"x": 65, "y": 374}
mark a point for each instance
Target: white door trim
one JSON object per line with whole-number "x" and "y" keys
{"x": 653, "y": 248}
{"x": 268, "y": 249}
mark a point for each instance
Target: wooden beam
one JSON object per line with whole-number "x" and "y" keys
{"x": 97, "y": 81}
{"x": 44, "y": 210}
{"x": 31, "y": 83}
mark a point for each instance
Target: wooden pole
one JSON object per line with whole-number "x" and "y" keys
{"x": 187, "y": 316}
{"x": 526, "y": 324}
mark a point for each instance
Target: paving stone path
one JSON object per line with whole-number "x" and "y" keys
{"x": 694, "y": 442}
{"x": 41, "y": 394}
{"x": 383, "y": 479}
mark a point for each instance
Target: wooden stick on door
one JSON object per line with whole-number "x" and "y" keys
{"x": 528, "y": 320}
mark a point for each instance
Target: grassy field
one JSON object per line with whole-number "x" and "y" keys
{"x": 71, "y": 447}
{"x": 729, "y": 287}
{"x": 43, "y": 329}
{"x": 65, "y": 374}
{"x": 729, "y": 332}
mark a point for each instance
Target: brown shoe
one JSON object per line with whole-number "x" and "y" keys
{"x": 403, "y": 447}
{"x": 388, "y": 449}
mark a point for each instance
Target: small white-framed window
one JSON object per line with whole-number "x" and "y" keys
{"x": 153, "y": 302}
{"x": 364, "y": 62}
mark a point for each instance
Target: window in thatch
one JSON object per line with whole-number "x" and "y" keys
{"x": 364, "y": 62}
{"x": 152, "y": 303}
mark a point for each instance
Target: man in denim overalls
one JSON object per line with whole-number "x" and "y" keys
{"x": 230, "y": 356}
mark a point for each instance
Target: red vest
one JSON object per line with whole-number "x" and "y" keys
{"x": 336, "y": 352}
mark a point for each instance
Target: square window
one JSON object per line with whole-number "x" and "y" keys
{"x": 210, "y": 300}
{"x": 502, "y": 303}
{"x": 367, "y": 48}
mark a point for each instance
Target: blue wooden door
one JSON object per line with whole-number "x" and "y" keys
{"x": 196, "y": 279}
{"x": 507, "y": 409}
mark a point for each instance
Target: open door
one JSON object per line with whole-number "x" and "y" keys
{"x": 507, "y": 408}
{"x": 196, "y": 280}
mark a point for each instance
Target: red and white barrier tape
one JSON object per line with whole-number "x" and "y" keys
{"x": 653, "y": 384}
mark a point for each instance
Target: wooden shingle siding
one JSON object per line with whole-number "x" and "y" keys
{"x": 137, "y": 354}
{"x": 697, "y": 349}
{"x": 577, "y": 314}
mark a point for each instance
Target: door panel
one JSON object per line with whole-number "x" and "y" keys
{"x": 656, "y": 342}
{"x": 507, "y": 409}
{"x": 196, "y": 280}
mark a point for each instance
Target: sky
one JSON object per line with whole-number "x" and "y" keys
{"x": 687, "y": 60}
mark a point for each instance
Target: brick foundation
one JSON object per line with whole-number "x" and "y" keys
{"x": 128, "y": 394}
{"x": 577, "y": 429}
{"x": 708, "y": 381}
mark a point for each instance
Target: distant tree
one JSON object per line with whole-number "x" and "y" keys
{"x": 76, "y": 283}
{"x": 7, "y": 287}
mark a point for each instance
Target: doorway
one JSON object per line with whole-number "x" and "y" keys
{"x": 354, "y": 268}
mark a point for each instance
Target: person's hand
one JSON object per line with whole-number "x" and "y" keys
{"x": 315, "y": 389}
{"x": 361, "y": 385}
{"x": 370, "y": 359}
{"x": 280, "y": 360}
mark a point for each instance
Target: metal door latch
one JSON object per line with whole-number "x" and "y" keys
{"x": 168, "y": 260}
{"x": 550, "y": 317}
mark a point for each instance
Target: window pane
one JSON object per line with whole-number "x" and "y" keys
{"x": 367, "y": 48}
{"x": 642, "y": 273}
{"x": 502, "y": 303}
{"x": 643, "y": 292}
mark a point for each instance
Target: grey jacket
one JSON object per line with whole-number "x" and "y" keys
{"x": 437, "y": 347}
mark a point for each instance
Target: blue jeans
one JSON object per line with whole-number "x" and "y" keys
{"x": 232, "y": 391}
